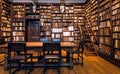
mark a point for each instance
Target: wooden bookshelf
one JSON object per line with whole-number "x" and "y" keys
{"x": 57, "y": 28}
{"x": 5, "y": 17}
{"x": 0, "y": 17}
{"x": 53, "y": 24}
{"x": 116, "y": 28}
{"x": 29, "y": 13}
{"x": 91, "y": 27}
{"x": 68, "y": 23}
{"x": 79, "y": 22}
{"x": 45, "y": 21}
{"x": 104, "y": 20}
{"x": 57, "y": 24}
{"x": 18, "y": 22}
{"x": 104, "y": 16}
{"x": 92, "y": 20}
{"x": 29, "y": 8}
{"x": 105, "y": 27}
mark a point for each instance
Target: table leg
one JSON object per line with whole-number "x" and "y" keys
{"x": 71, "y": 63}
{"x": 68, "y": 57}
{"x": 6, "y": 62}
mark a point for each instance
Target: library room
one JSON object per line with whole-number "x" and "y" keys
{"x": 59, "y": 36}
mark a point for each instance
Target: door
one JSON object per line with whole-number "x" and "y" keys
{"x": 33, "y": 31}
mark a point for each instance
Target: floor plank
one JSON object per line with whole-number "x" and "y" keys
{"x": 92, "y": 65}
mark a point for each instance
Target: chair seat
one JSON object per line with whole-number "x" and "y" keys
{"x": 76, "y": 51}
{"x": 52, "y": 57}
{"x": 19, "y": 57}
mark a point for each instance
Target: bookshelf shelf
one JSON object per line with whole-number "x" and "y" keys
{"x": 5, "y": 19}
{"x": 116, "y": 30}
{"x": 18, "y": 25}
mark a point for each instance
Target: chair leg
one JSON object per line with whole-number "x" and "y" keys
{"x": 74, "y": 60}
{"x": 9, "y": 67}
{"x": 44, "y": 71}
{"x": 25, "y": 68}
{"x": 31, "y": 63}
{"x": 78, "y": 59}
{"x": 82, "y": 59}
{"x": 19, "y": 65}
{"x": 68, "y": 60}
{"x": 58, "y": 70}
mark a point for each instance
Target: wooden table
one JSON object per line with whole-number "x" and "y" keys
{"x": 37, "y": 46}
{"x": 28, "y": 44}
{"x": 67, "y": 46}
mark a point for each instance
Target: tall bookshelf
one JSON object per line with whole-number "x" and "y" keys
{"x": 79, "y": 22}
{"x": 29, "y": 8}
{"x": 0, "y": 17}
{"x": 30, "y": 13}
{"x": 56, "y": 22}
{"x": 88, "y": 18}
{"x": 116, "y": 29}
{"x": 18, "y": 22}
{"x": 104, "y": 16}
{"x": 45, "y": 21}
{"x": 92, "y": 27}
{"x": 92, "y": 19}
{"x": 68, "y": 23}
{"x": 105, "y": 27}
{"x": 5, "y": 17}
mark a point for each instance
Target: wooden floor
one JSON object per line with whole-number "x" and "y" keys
{"x": 92, "y": 65}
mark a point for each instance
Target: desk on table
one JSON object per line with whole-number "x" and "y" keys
{"x": 37, "y": 46}
{"x": 67, "y": 46}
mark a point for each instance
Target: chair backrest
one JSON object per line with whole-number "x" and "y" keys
{"x": 81, "y": 45}
{"x": 2, "y": 40}
{"x": 51, "y": 46}
{"x": 17, "y": 47}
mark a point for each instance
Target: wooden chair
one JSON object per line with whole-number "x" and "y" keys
{"x": 79, "y": 51}
{"x": 51, "y": 56}
{"x": 17, "y": 55}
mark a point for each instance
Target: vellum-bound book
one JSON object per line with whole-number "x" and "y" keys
{"x": 116, "y": 45}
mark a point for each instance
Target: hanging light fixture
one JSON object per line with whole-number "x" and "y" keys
{"x": 62, "y": 6}
{"x": 34, "y": 2}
